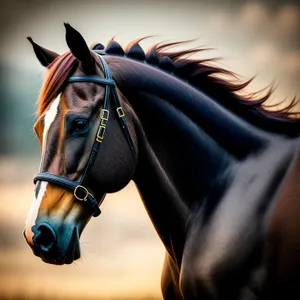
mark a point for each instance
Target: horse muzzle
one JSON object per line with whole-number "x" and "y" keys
{"x": 55, "y": 243}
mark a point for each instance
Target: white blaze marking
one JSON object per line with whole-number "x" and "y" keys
{"x": 48, "y": 120}
{"x": 36, "y": 204}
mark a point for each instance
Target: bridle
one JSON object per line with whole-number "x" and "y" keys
{"x": 80, "y": 189}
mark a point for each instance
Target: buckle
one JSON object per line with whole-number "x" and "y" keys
{"x": 104, "y": 114}
{"x": 100, "y": 133}
{"x": 120, "y": 112}
{"x": 81, "y": 189}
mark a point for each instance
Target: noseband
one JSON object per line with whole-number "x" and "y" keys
{"x": 79, "y": 189}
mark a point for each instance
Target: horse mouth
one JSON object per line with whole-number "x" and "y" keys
{"x": 73, "y": 252}
{"x": 58, "y": 258}
{"x": 72, "y": 255}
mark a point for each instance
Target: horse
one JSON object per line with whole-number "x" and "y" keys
{"x": 217, "y": 171}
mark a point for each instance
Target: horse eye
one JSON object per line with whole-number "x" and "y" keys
{"x": 80, "y": 126}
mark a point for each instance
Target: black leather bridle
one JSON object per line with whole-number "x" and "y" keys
{"x": 79, "y": 189}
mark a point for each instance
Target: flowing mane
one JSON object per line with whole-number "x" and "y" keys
{"x": 203, "y": 74}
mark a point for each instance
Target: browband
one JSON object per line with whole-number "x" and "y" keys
{"x": 91, "y": 78}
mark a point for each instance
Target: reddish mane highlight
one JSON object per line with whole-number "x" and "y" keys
{"x": 57, "y": 72}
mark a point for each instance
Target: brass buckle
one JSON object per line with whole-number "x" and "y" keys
{"x": 104, "y": 114}
{"x": 84, "y": 189}
{"x": 120, "y": 112}
{"x": 100, "y": 133}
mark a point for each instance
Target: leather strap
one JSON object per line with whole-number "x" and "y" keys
{"x": 90, "y": 78}
{"x": 74, "y": 187}
{"x": 79, "y": 189}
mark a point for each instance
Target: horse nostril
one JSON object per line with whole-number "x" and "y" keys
{"x": 45, "y": 238}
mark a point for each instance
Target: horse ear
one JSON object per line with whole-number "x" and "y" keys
{"x": 45, "y": 56}
{"x": 79, "y": 48}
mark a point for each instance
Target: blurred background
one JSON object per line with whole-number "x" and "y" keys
{"x": 122, "y": 255}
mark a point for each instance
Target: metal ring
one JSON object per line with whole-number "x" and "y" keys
{"x": 86, "y": 193}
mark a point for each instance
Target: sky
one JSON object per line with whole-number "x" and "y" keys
{"x": 254, "y": 37}
{"x": 121, "y": 248}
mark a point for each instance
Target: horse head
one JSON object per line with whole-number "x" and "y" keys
{"x": 78, "y": 106}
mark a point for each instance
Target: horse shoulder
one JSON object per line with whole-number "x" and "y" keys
{"x": 225, "y": 257}
{"x": 284, "y": 237}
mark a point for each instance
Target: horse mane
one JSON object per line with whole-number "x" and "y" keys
{"x": 223, "y": 86}
{"x": 206, "y": 76}
{"x": 203, "y": 74}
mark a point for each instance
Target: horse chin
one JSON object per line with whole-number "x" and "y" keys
{"x": 67, "y": 260}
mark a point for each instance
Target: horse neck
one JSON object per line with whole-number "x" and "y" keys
{"x": 187, "y": 143}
